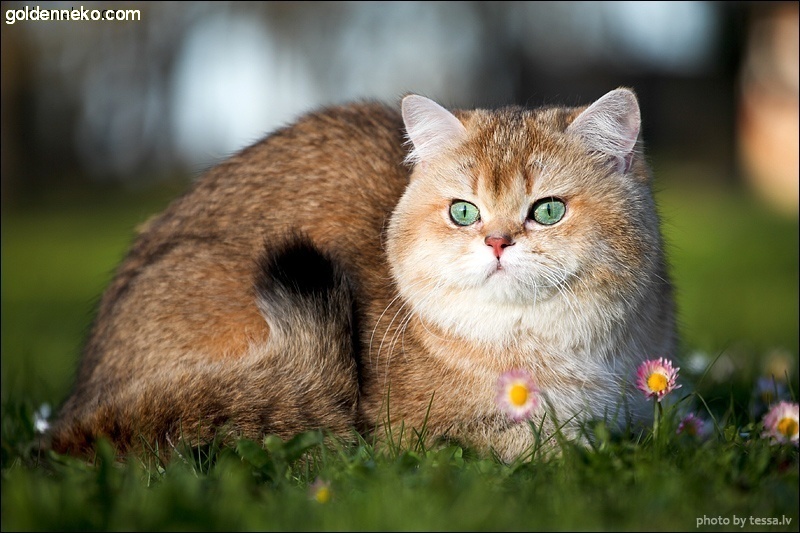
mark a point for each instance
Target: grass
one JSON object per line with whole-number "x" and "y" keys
{"x": 736, "y": 268}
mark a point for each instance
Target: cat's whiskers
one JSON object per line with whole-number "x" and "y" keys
{"x": 399, "y": 331}
{"x": 661, "y": 278}
{"x": 563, "y": 283}
{"x": 566, "y": 293}
{"x": 571, "y": 274}
{"x": 388, "y": 329}
{"x": 555, "y": 276}
{"x": 378, "y": 322}
{"x": 422, "y": 319}
{"x": 409, "y": 313}
{"x": 565, "y": 286}
{"x": 399, "y": 334}
{"x": 389, "y": 326}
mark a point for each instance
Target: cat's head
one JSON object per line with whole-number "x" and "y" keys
{"x": 520, "y": 218}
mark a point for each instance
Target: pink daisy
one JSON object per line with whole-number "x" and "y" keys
{"x": 656, "y": 378}
{"x": 691, "y": 425}
{"x": 781, "y": 423}
{"x": 517, "y": 394}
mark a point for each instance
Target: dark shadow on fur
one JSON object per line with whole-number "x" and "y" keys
{"x": 298, "y": 285}
{"x": 296, "y": 268}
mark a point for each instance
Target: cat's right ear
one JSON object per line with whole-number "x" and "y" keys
{"x": 431, "y": 129}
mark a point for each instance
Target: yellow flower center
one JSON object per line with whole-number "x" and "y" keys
{"x": 657, "y": 382}
{"x": 787, "y": 426}
{"x": 323, "y": 495}
{"x": 518, "y": 395}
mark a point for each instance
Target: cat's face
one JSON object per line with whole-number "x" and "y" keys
{"x": 511, "y": 220}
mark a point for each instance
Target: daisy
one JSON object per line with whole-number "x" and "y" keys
{"x": 320, "y": 491}
{"x": 517, "y": 394}
{"x": 692, "y": 426}
{"x": 656, "y": 378}
{"x": 781, "y": 423}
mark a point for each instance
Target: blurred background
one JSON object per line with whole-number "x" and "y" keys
{"x": 104, "y": 122}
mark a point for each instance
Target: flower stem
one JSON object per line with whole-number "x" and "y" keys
{"x": 656, "y": 417}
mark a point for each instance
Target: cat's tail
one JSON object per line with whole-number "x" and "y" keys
{"x": 304, "y": 377}
{"x": 308, "y": 303}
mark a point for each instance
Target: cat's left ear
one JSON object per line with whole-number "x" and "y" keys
{"x": 431, "y": 128}
{"x": 611, "y": 126}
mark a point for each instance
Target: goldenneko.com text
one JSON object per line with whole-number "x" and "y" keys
{"x": 37, "y": 14}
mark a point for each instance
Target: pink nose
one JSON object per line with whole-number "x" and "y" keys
{"x": 498, "y": 243}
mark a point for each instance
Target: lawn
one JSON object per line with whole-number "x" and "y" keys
{"x": 735, "y": 266}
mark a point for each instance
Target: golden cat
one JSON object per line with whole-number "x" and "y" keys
{"x": 363, "y": 263}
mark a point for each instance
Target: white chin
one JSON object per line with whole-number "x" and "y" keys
{"x": 502, "y": 288}
{"x": 490, "y": 312}
{"x": 502, "y": 285}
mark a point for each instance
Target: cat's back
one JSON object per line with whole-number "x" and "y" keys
{"x": 330, "y": 165}
{"x": 185, "y": 290}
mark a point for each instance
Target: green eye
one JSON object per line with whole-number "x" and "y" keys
{"x": 464, "y": 213}
{"x": 548, "y": 211}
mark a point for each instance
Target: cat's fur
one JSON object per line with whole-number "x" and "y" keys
{"x": 316, "y": 280}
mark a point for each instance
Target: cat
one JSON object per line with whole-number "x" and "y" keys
{"x": 365, "y": 271}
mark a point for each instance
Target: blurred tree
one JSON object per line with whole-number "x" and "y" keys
{"x": 137, "y": 101}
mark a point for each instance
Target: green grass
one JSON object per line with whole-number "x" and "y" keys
{"x": 736, "y": 269}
